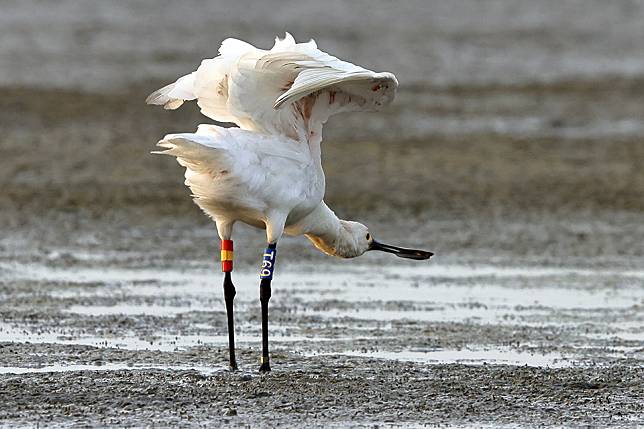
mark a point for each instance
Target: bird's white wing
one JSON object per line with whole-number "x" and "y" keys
{"x": 208, "y": 84}
{"x": 291, "y": 89}
{"x": 369, "y": 89}
{"x": 294, "y": 88}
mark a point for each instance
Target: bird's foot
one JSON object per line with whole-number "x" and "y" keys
{"x": 264, "y": 366}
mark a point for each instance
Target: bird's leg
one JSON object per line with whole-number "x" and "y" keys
{"x": 266, "y": 275}
{"x": 229, "y": 296}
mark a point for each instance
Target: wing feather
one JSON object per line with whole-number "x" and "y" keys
{"x": 291, "y": 89}
{"x": 361, "y": 83}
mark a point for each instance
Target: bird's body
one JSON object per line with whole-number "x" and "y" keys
{"x": 268, "y": 172}
{"x": 265, "y": 181}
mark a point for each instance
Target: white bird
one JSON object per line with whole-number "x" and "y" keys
{"x": 268, "y": 172}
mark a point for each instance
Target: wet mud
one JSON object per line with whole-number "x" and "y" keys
{"x": 103, "y": 338}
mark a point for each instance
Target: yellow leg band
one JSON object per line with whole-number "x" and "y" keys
{"x": 226, "y": 255}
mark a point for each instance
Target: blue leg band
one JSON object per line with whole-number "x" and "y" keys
{"x": 268, "y": 263}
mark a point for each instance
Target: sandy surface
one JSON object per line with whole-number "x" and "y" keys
{"x": 514, "y": 151}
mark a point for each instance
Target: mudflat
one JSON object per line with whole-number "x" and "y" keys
{"x": 112, "y": 312}
{"x": 524, "y": 177}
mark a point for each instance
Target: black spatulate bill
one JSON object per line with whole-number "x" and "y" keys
{"x": 401, "y": 252}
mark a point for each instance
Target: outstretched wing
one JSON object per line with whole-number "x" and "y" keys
{"x": 291, "y": 89}
{"x": 208, "y": 84}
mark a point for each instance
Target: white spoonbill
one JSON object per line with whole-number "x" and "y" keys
{"x": 268, "y": 172}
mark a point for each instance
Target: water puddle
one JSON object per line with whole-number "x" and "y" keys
{"x": 39, "y": 272}
{"x": 135, "y": 310}
{"x": 607, "y": 303}
{"x": 496, "y": 356}
{"x": 165, "y": 343}
{"x": 435, "y": 291}
{"x": 454, "y": 271}
{"x": 106, "y": 367}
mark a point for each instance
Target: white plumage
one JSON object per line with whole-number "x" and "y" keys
{"x": 291, "y": 89}
{"x": 268, "y": 172}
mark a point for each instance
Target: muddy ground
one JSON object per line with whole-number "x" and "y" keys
{"x": 527, "y": 183}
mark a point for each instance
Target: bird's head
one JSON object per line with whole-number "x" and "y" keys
{"x": 354, "y": 239}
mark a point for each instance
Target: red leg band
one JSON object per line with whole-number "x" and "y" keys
{"x": 226, "y": 255}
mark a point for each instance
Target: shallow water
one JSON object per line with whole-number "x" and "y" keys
{"x": 386, "y": 312}
{"x": 474, "y": 357}
{"x": 104, "y": 367}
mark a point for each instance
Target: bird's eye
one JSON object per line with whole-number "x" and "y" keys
{"x": 368, "y": 237}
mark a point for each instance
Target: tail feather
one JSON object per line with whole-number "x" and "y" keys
{"x": 199, "y": 153}
{"x": 203, "y": 163}
{"x": 172, "y": 96}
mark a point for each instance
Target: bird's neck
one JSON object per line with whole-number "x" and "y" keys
{"x": 327, "y": 232}
{"x": 322, "y": 223}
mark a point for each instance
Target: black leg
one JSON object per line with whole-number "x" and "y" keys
{"x": 266, "y": 276}
{"x": 264, "y": 296}
{"x": 229, "y": 296}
